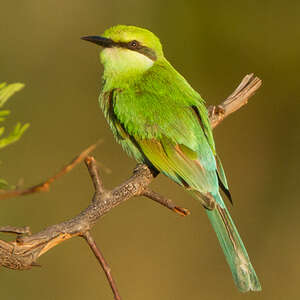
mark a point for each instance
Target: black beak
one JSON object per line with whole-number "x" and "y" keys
{"x": 99, "y": 40}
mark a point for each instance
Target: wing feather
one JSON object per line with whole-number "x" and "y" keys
{"x": 166, "y": 124}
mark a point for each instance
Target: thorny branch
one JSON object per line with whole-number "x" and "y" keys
{"x": 23, "y": 252}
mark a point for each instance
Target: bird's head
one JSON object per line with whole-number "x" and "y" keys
{"x": 127, "y": 49}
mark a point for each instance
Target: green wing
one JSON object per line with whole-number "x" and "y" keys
{"x": 166, "y": 123}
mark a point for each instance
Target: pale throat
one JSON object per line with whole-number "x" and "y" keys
{"x": 120, "y": 62}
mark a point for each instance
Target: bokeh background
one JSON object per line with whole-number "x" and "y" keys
{"x": 154, "y": 254}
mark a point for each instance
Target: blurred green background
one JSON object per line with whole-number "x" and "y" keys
{"x": 154, "y": 254}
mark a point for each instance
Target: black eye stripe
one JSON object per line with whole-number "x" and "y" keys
{"x": 147, "y": 52}
{"x": 136, "y": 46}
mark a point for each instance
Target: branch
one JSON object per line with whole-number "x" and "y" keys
{"x": 45, "y": 186}
{"x": 91, "y": 242}
{"x": 165, "y": 202}
{"x": 25, "y": 250}
{"x": 93, "y": 170}
{"x": 246, "y": 89}
{"x": 15, "y": 230}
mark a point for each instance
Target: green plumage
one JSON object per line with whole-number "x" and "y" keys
{"x": 160, "y": 120}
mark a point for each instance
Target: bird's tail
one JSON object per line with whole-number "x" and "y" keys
{"x": 235, "y": 252}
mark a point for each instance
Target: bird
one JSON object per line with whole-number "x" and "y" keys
{"x": 161, "y": 121}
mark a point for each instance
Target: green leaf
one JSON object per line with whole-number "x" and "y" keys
{"x": 6, "y": 91}
{"x": 3, "y": 114}
{"x": 2, "y": 129}
{"x": 14, "y": 135}
{"x": 3, "y": 184}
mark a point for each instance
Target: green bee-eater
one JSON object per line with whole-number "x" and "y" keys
{"x": 161, "y": 121}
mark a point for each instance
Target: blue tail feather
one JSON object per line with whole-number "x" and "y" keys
{"x": 235, "y": 252}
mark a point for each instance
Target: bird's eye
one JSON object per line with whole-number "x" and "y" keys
{"x": 133, "y": 44}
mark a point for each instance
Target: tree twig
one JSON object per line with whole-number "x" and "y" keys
{"x": 23, "y": 253}
{"x": 246, "y": 89}
{"x": 15, "y": 230}
{"x": 165, "y": 202}
{"x": 98, "y": 254}
{"x": 45, "y": 186}
{"x": 94, "y": 173}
